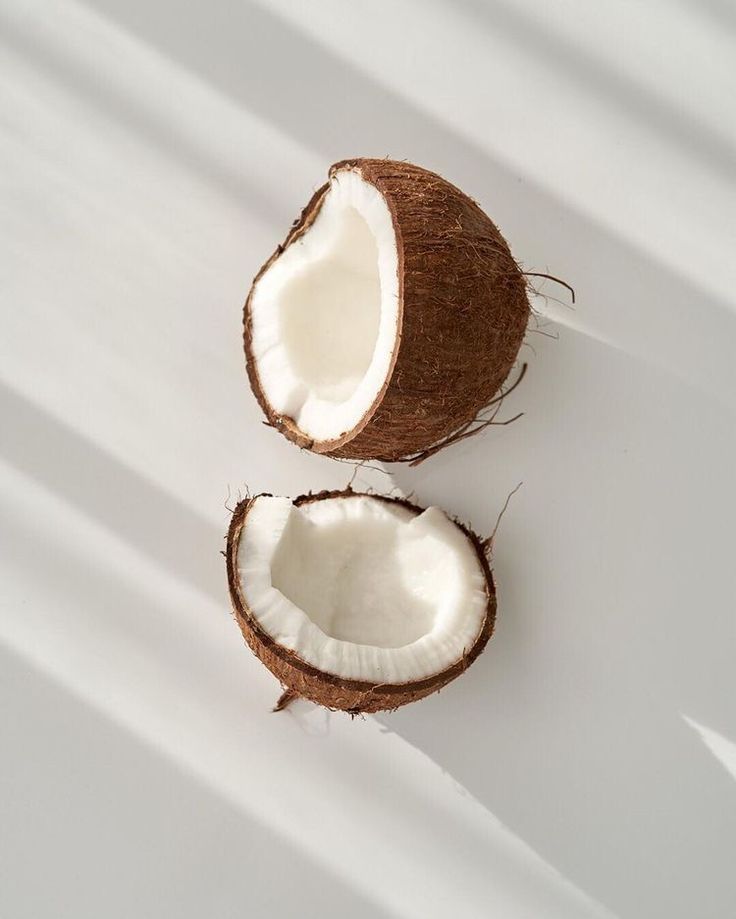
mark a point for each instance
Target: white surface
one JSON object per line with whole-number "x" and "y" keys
{"x": 361, "y": 588}
{"x": 151, "y": 156}
{"x": 324, "y": 316}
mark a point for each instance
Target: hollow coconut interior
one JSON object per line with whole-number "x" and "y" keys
{"x": 361, "y": 588}
{"x": 325, "y": 314}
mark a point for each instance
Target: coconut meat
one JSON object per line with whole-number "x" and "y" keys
{"x": 325, "y": 314}
{"x": 362, "y": 588}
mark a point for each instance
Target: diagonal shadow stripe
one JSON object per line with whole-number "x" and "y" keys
{"x": 110, "y": 98}
{"x": 585, "y": 68}
{"x": 70, "y": 771}
{"x": 168, "y": 531}
{"x": 283, "y": 77}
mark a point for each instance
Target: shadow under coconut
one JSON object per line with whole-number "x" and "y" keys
{"x": 252, "y": 55}
{"x": 611, "y": 577}
{"x": 614, "y": 570}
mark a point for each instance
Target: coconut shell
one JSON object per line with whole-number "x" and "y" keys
{"x": 302, "y": 679}
{"x": 463, "y": 311}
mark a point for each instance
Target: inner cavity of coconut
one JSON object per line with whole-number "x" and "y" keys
{"x": 361, "y": 588}
{"x": 324, "y": 315}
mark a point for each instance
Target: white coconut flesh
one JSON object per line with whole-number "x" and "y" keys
{"x": 324, "y": 315}
{"x": 362, "y": 588}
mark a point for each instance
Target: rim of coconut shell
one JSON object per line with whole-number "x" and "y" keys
{"x": 284, "y": 423}
{"x": 339, "y": 446}
{"x": 302, "y": 679}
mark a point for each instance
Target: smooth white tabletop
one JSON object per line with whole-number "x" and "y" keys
{"x": 151, "y": 156}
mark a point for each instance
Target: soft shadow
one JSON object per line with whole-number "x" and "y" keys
{"x": 67, "y": 463}
{"x": 612, "y": 580}
{"x": 67, "y": 69}
{"x": 286, "y": 79}
{"x": 721, "y": 12}
{"x": 615, "y": 578}
{"x": 92, "y": 809}
{"x": 615, "y": 86}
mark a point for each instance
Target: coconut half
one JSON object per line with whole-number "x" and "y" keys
{"x": 388, "y": 318}
{"x": 355, "y": 601}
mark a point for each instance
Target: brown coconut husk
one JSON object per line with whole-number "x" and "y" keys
{"x": 463, "y": 311}
{"x": 300, "y": 679}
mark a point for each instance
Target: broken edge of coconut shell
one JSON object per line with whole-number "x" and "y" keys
{"x": 462, "y": 314}
{"x": 301, "y": 679}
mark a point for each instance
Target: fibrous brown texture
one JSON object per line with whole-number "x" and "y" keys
{"x": 301, "y": 679}
{"x": 463, "y": 311}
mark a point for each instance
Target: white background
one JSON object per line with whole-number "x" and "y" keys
{"x": 151, "y": 156}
